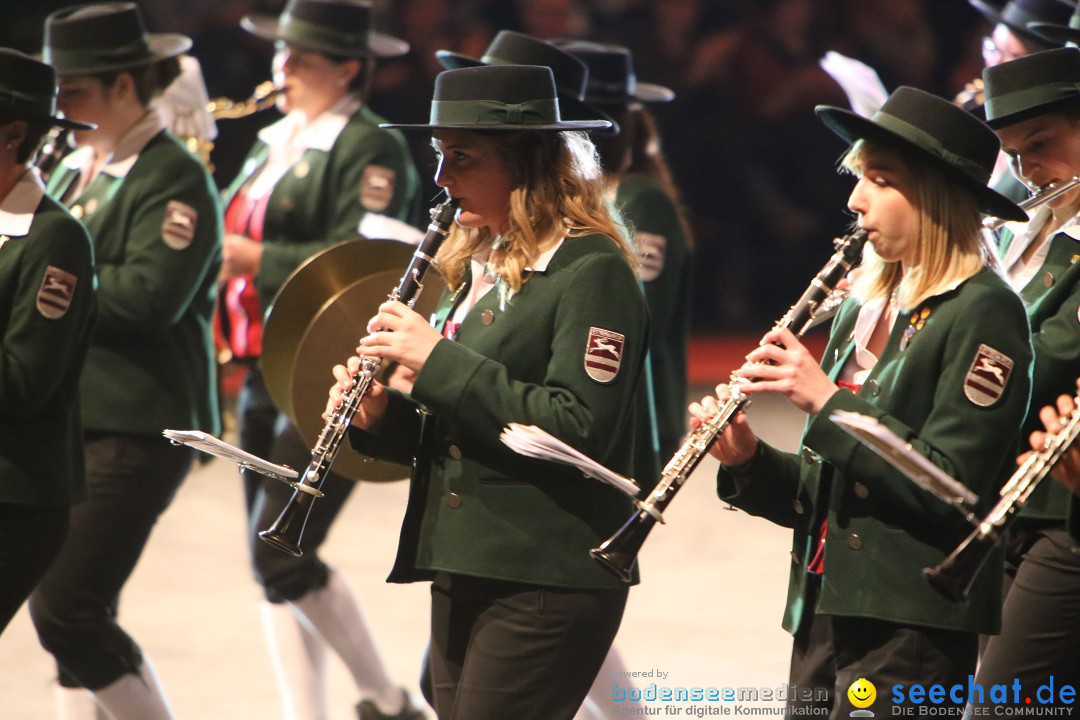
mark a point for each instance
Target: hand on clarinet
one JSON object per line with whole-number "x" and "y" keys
{"x": 737, "y": 443}
{"x": 373, "y": 404}
{"x": 781, "y": 364}
{"x": 1067, "y": 469}
{"x": 400, "y": 334}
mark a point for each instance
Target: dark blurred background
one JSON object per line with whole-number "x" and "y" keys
{"x": 755, "y": 167}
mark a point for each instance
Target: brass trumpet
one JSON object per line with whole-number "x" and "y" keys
{"x": 954, "y": 575}
{"x": 222, "y": 107}
{"x": 261, "y": 98}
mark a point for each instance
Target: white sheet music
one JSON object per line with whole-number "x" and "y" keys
{"x": 531, "y": 441}
{"x": 899, "y": 454}
{"x": 219, "y": 448}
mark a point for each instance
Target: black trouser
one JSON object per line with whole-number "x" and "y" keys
{"x": 268, "y": 434}
{"x": 132, "y": 480}
{"x": 1040, "y": 625}
{"x": 831, "y": 652}
{"x": 508, "y": 650}
{"x": 30, "y": 539}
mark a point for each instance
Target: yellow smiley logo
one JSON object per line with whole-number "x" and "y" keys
{"x": 862, "y": 693}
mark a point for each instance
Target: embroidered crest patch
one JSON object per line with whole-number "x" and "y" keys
{"x": 603, "y": 354}
{"x": 178, "y": 227}
{"x": 650, "y": 247}
{"x": 376, "y": 188}
{"x": 57, "y": 289}
{"x": 987, "y": 377}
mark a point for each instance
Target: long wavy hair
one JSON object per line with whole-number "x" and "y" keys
{"x": 558, "y": 193}
{"x": 948, "y": 247}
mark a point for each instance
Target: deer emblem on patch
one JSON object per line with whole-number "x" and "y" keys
{"x": 603, "y": 354}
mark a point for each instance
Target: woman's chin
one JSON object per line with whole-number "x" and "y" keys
{"x": 469, "y": 220}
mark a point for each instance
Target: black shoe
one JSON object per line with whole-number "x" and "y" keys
{"x": 367, "y": 710}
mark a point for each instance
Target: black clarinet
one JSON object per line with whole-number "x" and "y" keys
{"x": 619, "y": 552}
{"x": 286, "y": 532}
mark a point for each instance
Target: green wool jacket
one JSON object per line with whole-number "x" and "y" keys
{"x": 155, "y": 220}
{"x": 1052, "y": 297}
{"x": 476, "y": 507}
{"x": 936, "y": 389}
{"x": 652, "y": 216}
{"x": 46, "y": 314}
{"x": 321, "y": 200}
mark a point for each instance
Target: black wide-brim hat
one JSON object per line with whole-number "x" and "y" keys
{"x": 498, "y": 97}
{"x": 104, "y": 37}
{"x": 514, "y": 48}
{"x": 332, "y": 27}
{"x": 1056, "y": 32}
{"x": 28, "y": 90}
{"x": 936, "y": 131}
{"x": 1031, "y": 85}
{"x": 612, "y": 80}
{"x": 1018, "y": 14}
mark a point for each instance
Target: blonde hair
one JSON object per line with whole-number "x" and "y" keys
{"x": 948, "y": 248}
{"x": 558, "y": 193}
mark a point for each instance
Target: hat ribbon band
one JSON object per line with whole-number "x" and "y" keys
{"x": 492, "y": 112}
{"x": 1009, "y": 103}
{"x": 305, "y": 32}
{"x": 78, "y": 57}
{"x": 9, "y": 96}
{"x": 615, "y": 88}
{"x": 1018, "y": 17}
{"x": 931, "y": 144}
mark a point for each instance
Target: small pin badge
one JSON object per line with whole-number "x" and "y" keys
{"x": 915, "y": 324}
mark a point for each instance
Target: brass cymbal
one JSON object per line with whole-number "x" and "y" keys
{"x": 316, "y": 322}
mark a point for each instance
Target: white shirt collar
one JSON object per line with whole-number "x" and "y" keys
{"x": 17, "y": 209}
{"x": 482, "y": 283}
{"x": 1024, "y": 233}
{"x": 541, "y": 263}
{"x": 127, "y": 150}
{"x": 865, "y": 322}
{"x": 320, "y": 134}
